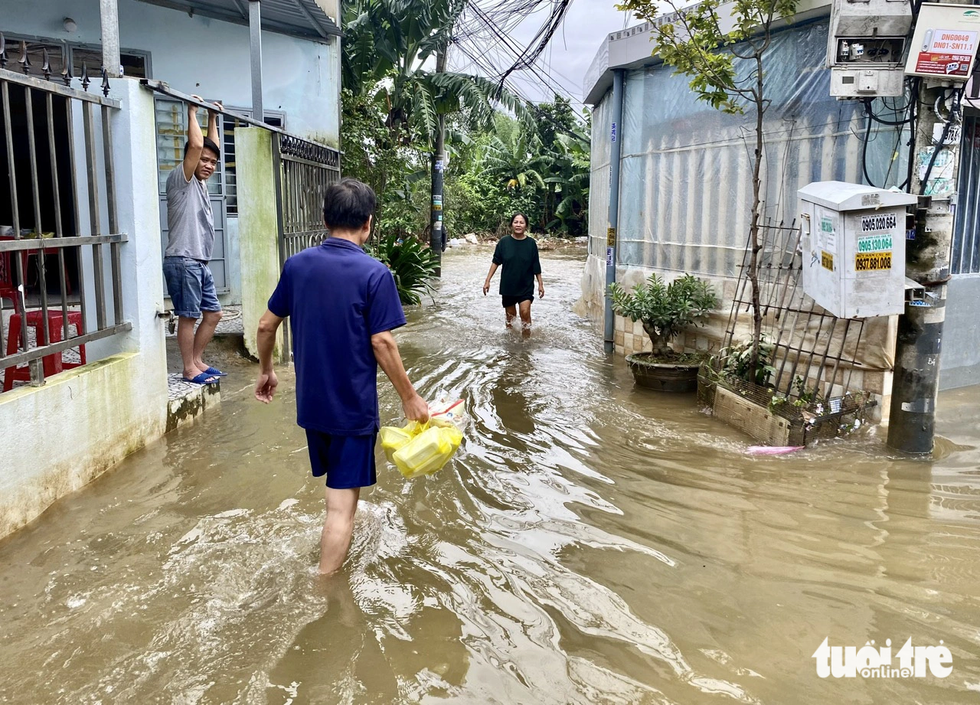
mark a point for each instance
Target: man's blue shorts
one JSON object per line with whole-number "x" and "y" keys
{"x": 347, "y": 461}
{"x": 190, "y": 285}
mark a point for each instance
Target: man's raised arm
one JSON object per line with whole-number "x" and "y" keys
{"x": 195, "y": 142}
{"x": 213, "y": 123}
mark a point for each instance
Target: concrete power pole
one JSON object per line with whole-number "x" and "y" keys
{"x": 438, "y": 170}
{"x": 911, "y": 425}
{"x": 110, "y": 38}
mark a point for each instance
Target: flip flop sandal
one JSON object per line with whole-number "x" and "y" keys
{"x": 203, "y": 378}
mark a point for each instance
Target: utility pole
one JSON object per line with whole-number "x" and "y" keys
{"x": 912, "y": 419}
{"x": 438, "y": 170}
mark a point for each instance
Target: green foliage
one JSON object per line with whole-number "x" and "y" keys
{"x": 540, "y": 169}
{"x": 393, "y": 171}
{"x": 386, "y": 47}
{"x": 665, "y": 309}
{"x": 412, "y": 265}
{"x": 736, "y": 362}
{"x": 536, "y": 162}
{"x": 806, "y": 397}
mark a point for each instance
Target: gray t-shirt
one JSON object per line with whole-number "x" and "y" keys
{"x": 189, "y": 217}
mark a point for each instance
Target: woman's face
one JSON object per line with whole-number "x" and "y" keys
{"x": 519, "y": 225}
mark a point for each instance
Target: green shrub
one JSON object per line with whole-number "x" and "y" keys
{"x": 665, "y": 310}
{"x": 411, "y": 263}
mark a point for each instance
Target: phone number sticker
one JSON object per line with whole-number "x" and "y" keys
{"x": 875, "y": 243}
{"x": 871, "y": 223}
{"x": 872, "y": 261}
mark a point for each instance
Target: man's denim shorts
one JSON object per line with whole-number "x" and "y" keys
{"x": 190, "y": 285}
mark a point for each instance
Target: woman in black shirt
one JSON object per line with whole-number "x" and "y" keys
{"x": 517, "y": 254}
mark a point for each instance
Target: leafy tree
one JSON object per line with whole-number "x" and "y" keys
{"x": 697, "y": 46}
{"x": 387, "y": 46}
{"x": 516, "y": 162}
{"x": 535, "y": 162}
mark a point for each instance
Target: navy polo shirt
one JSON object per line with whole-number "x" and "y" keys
{"x": 336, "y": 297}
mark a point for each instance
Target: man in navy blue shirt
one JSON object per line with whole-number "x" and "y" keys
{"x": 342, "y": 305}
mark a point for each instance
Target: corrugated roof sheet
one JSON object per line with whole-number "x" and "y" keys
{"x": 298, "y": 18}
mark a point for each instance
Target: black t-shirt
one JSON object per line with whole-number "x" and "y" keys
{"x": 519, "y": 262}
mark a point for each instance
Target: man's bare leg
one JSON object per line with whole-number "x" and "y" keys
{"x": 526, "y": 319}
{"x": 511, "y": 312}
{"x": 338, "y": 527}
{"x": 185, "y": 341}
{"x": 205, "y": 331}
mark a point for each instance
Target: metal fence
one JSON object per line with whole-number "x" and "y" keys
{"x": 812, "y": 354}
{"x": 303, "y": 171}
{"x": 54, "y": 182}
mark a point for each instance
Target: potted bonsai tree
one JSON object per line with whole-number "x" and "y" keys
{"x": 665, "y": 310}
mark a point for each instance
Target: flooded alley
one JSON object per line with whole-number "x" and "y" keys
{"x": 590, "y": 543}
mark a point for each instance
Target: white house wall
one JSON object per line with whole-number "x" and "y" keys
{"x": 203, "y": 56}
{"x": 56, "y": 438}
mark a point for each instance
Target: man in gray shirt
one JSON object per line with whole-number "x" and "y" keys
{"x": 191, "y": 240}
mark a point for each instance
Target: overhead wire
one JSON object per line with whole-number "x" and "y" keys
{"x": 497, "y": 29}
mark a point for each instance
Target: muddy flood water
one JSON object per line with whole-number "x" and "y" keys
{"x": 591, "y": 543}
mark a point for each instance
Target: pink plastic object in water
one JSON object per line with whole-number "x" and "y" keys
{"x": 771, "y": 450}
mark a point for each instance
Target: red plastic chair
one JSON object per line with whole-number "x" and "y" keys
{"x": 7, "y": 288}
{"x": 53, "y": 363}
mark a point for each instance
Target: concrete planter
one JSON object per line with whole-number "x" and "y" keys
{"x": 663, "y": 376}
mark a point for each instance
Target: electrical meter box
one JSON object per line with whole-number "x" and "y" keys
{"x": 853, "y": 248}
{"x": 866, "y": 47}
{"x": 945, "y": 42}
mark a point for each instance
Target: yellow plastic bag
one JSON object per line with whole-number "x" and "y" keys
{"x": 420, "y": 449}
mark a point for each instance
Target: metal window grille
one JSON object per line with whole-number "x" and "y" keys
{"x": 303, "y": 171}
{"x": 57, "y": 206}
{"x": 81, "y": 57}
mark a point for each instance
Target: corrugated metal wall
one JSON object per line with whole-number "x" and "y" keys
{"x": 599, "y": 179}
{"x": 686, "y": 188}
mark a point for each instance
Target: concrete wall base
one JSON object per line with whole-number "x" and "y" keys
{"x": 188, "y": 401}
{"x": 751, "y": 418}
{"x": 57, "y": 438}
